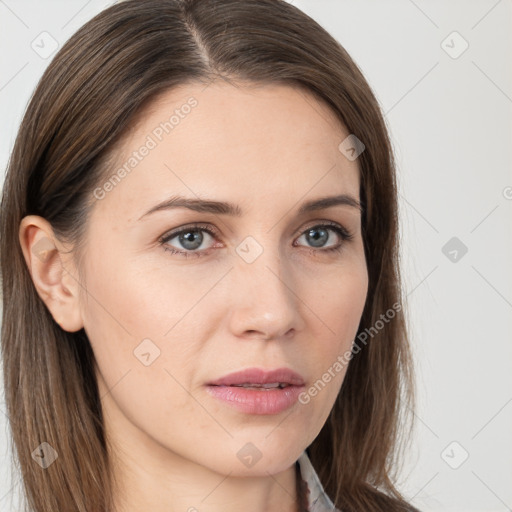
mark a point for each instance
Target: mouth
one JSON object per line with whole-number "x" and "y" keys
{"x": 258, "y": 391}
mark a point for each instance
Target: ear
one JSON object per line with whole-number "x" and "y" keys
{"x": 52, "y": 271}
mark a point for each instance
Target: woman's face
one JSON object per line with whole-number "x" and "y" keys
{"x": 261, "y": 290}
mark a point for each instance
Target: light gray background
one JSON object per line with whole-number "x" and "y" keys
{"x": 450, "y": 121}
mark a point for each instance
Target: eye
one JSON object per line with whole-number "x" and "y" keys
{"x": 318, "y": 235}
{"x": 191, "y": 238}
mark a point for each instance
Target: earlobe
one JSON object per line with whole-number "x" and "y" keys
{"x": 52, "y": 272}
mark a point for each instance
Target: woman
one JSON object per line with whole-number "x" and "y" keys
{"x": 201, "y": 290}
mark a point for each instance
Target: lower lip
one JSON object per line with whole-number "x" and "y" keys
{"x": 256, "y": 401}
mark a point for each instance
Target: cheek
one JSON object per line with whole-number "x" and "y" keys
{"x": 338, "y": 303}
{"x": 146, "y": 347}
{"x": 140, "y": 323}
{"x": 139, "y": 298}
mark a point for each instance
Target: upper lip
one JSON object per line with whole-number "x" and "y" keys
{"x": 260, "y": 376}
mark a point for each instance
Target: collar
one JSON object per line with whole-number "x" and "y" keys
{"x": 314, "y": 498}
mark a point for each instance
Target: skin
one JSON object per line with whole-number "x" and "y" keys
{"x": 266, "y": 149}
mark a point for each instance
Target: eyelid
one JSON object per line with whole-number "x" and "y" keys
{"x": 194, "y": 226}
{"x": 347, "y": 234}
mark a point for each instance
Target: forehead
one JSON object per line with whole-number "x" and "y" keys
{"x": 243, "y": 143}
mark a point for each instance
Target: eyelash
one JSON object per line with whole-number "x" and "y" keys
{"x": 345, "y": 235}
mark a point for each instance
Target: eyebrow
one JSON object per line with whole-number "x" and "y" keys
{"x": 225, "y": 208}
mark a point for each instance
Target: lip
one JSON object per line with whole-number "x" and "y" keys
{"x": 258, "y": 401}
{"x": 260, "y": 376}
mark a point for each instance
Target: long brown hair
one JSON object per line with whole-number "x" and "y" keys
{"x": 93, "y": 90}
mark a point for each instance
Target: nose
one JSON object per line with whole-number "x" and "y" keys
{"x": 264, "y": 302}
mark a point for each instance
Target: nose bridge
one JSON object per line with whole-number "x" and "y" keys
{"x": 264, "y": 300}
{"x": 260, "y": 258}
